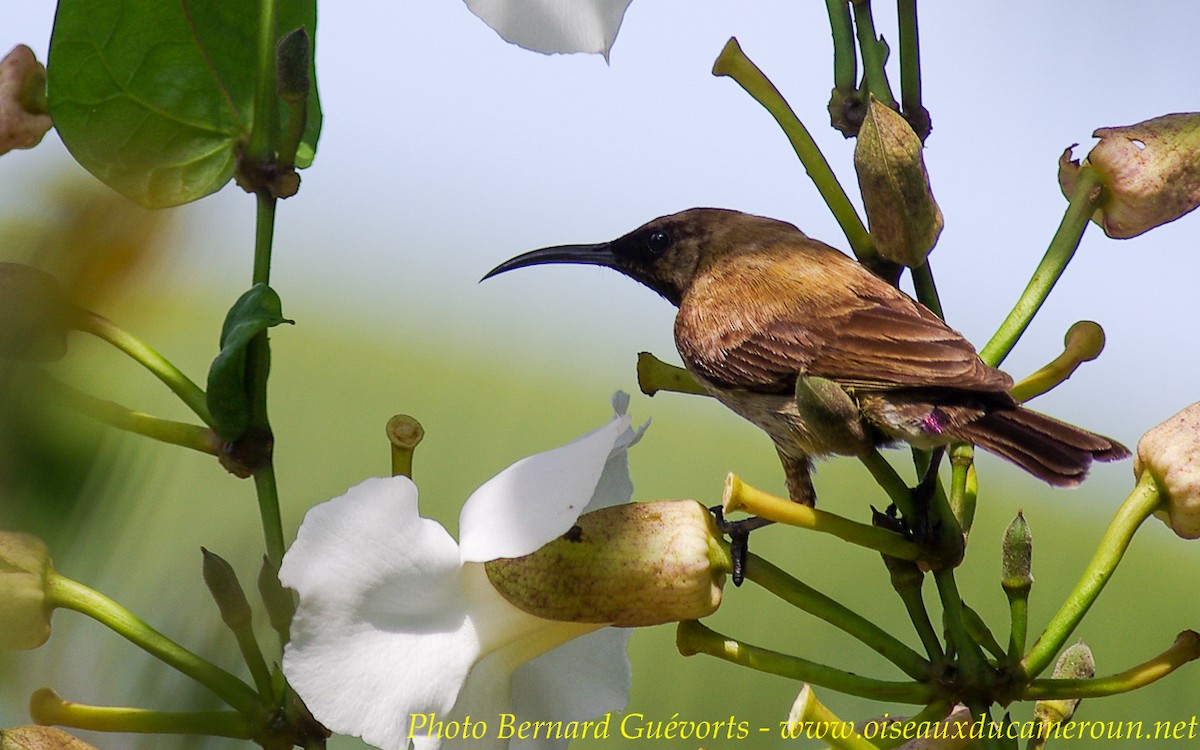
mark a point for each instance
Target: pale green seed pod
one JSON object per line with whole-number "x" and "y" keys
{"x": 904, "y": 218}
{"x": 1076, "y": 663}
{"x": 1151, "y": 173}
{"x": 1171, "y": 453}
{"x": 627, "y": 565}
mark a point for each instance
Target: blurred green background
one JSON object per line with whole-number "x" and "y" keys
{"x": 445, "y": 151}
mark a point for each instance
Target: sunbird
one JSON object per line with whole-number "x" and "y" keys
{"x": 822, "y": 354}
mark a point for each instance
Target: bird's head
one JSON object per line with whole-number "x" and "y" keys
{"x": 666, "y": 254}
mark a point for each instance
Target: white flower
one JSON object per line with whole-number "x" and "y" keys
{"x": 398, "y": 627}
{"x": 554, "y": 25}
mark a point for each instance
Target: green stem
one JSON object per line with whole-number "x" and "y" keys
{"x": 910, "y": 67}
{"x": 914, "y": 603}
{"x": 1185, "y": 649}
{"x": 1018, "y": 615}
{"x": 810, "y": 600}
{"x": 1087, "y": 195}
{"x": 264, "y": 133}
{"x": 198, "y": 438}
{"x": 740, "y": 496}
{"x": 258, "y": 365}
{"x": 891, "y": 482}
{"x": 927, "y": 293}
{"x": 47, "y": 708}
{"x": 695, "y": 638}
{"x": 68, "y": 594}
{"x": 989, "y": 740}
{"x": 182, "y": 386}
{"x": 970, "y": 658}
{"x": 733, "y": 62}
{"x": 874, "y": 54}
{"x": 963, "y": 485}
{"x": 979, "y": 632}
{"x": 1137, "y": 507}
{"x": 845, "y": 59}
{"x": 268, "y": 508}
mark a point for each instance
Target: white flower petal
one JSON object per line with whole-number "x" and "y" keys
{"x": 538, "y": 498}
{"x": 509, "y": 638}
{"x": 554, "y": 25}
{"x": 382, "y": 631}
{"x": 550, "y": 685}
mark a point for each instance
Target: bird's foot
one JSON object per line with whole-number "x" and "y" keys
{"x": 739, "y": 539}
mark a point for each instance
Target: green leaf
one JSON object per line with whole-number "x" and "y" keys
{"x": 228, "y": 388}
{"x": 155, "y": 97}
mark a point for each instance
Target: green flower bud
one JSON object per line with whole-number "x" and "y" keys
{"x": 40, "y": 738}
{"x": 25, "y": 571}
{"x": 904, "y": 218}
{"x": 23, "y": 117}
{"x": 625, "y": 565}
{"x": 1017, "y": 564}
{"x": 1151, "y": 173}
{"x": 226, "y": 590}
{"x": 35, "y": 315}
{"x": 1171, "y": 453}
{"x": 1076, "y": 663}
{"x": 292, "y": 57}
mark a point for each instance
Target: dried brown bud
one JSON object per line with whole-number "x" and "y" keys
{"x": 1171, "y": 453}
{"x": 904, "y": 217}
{"x": 40, "y": 738}
{"x": 23, "y": 116}
{"x": 1151, "y": 173}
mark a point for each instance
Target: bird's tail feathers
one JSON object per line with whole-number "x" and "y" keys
{"x": 1056, "y": 452}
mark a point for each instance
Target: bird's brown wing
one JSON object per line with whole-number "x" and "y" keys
{"x": 871, "y": 340}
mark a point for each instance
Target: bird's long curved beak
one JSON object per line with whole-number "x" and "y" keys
{"x": 593, "y": 255}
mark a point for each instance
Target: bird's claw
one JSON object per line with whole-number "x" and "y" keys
{"x": 739, "y": 539}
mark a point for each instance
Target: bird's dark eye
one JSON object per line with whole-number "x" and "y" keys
{"x": 658, "y": 241}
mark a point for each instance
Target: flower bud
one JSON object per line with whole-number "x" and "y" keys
{"x": 226, "y": 590}
{"x": 23, "y": 116}
{"x": 904, "y": 217}
{"x": 293, "y": 57}
{"x": 625, "y": 565}
{"x": 24, "y": 573}
{"x": 35, "y": 315}
{"x": 40, "y": 738}
{"x": 1076, "y": 663}
{"x": 1151, "y": 173}
{"x": 1016, "y": 568}
{"x": 1171, "y": 453}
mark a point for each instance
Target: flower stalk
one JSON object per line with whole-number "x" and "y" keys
{"x": 137, "y": 350}
{"x": 1186, "y": 648}
{"x": 65, "y": 593}
{"x": 46, "y": 707}
{"x": 732, "y": 62}
{"x": 808, "y": 599}
{"x": 692, "y": 638}
{"x": 1143, "y": 501}
{"x": 739, "y": 496}
{"x": 1089, "y": 191}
